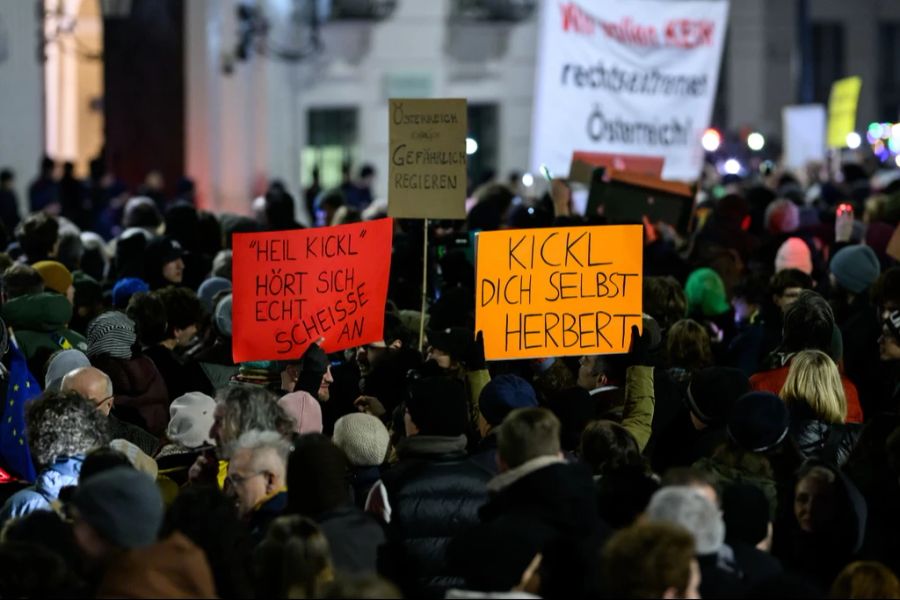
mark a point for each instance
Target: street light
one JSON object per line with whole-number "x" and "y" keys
{"x": 471, "y": 146}
{"x": 853, "y": 140}
{"x": 756, "y": 141}
{"x": 711, "y": 140}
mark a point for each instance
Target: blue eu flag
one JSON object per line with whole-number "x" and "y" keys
{"x": 22, "y": 388}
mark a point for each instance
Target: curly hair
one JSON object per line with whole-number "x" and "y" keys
{"x": 250, "y": 407}
{"x": 149, "y": 315}
{"x": 62, "y": 424}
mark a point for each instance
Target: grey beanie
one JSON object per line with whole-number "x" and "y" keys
{"x": 686, "y": 506}
{"x": 208, "y": 290}
{"x": 111, "y": 333}
{"x": 123, "y": 505}
{"x": 855, "y": 268}
{"x": 363, "y": 438}
{"x": 223, "y": 316}
{"x": 61, "y": 364}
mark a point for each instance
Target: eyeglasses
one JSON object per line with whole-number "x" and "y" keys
{"x": 107, "y": 400}
{"x": 241, "y": 479}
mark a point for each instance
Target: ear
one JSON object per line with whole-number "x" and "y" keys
{"x": 602, "y": 380}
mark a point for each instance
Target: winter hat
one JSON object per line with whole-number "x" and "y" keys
{"x": 304, "y": 410}
{"x": 317, "y": 476}
{"x": 56, "y": 276}
{"x": 61, "y": 364}
{"x": 712, "y": 393}
{"x": 503, "y": 394}
{"x": 705, "y": 293}
{"x": 455, "y": 341}
{"x": 125, "y": 289}
{"x": 855, "y": 268}
{"x": 746, "y": 513}
{"x": 190, "y": 419}
{"x": 688, "y": 507}
{"x": 363, "y": 438}
{"x": 137, "y": 457}
{"x": 759, "y": 421}
{"x": 794, "y": 254}
{"x": 437, "y": 406}
{"x": 123, "y": 505}
{"x": 209, "y": 288}
{"x": 111, "y": 333}
{"x": 223, "y": 316}
{"x": 782, "y": 216}
{"x": 313, "y": 365}
{"x": 88, "y": 291}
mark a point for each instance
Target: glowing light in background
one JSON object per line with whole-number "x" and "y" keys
{"x": 756, "y": 141}
{"x": 853, "y": 140}
{"x": 732, "y": 166}
{"x": 527, "y": 180}
{"x": 471, "y": 146}
{"x": 711, "y": 140}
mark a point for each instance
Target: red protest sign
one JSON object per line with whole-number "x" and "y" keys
{"x": 293, "y": 287}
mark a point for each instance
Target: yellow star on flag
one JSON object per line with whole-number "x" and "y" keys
{"x": 16, "y": 388}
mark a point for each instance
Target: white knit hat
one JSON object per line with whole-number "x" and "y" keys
{"x": 190, "y": 419}
{"x": 794, "y": 254}
{"x": 363, "y": 438}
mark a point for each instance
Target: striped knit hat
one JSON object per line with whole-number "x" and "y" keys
{"x": 111, "y": 333}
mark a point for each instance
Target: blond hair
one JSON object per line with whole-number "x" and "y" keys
{"x": 814, "y": 380}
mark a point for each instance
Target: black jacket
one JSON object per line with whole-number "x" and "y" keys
{"x": 546, "y": 506}
{"x": 830, "y": 442}
{"x": 354, "y": 538}
{"x": 434, "y": 493}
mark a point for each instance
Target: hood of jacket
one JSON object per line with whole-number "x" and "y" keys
{"x": 47, "y": 311}
{"x": 64, "y": 472}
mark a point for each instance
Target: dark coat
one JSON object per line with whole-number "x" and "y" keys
{"x": 362, "y": 479}
{"x": 831, "y": 442}
{"x": 141, "y": 395}
{"x": 435, "y": 493}
{"x": 258, "y": 521}
{"x": 354, "y": 538}
{"x": 546, "y": 506}
{"x": 180, "y": 378}
{"x": 119, "y": 429}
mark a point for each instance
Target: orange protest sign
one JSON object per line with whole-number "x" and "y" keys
{"x": 560, "y": 291}
{"x": 293, "y": 287}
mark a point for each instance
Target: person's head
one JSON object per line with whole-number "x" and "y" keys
{"x": 594, "y": 371}
{"x": 448, "y": 347}
{"x": 47, "y": 166}
{"x": 651, "y": 560}
{"x": 182, "y": 223}
{"x": 210, "y": 289}
{"x": 163, "y": 263}
{"x": 7, "y": 178}
{"x": 866, "y": 579}
{"x": 808, "y": 324}
{"x": 102, "y": 459}
{"x": 125, "y": 289}
{"x": 191, "y": 417}
{"x": 370, "y": 356}
{"x": 688, "y": 345}
{"x": 92, "y": 384}
{"x": 814, "y": 380}
{"x": 257, "y": 468}
{"x": 183, "y": 314}
{"x": 305, "y": 411}
{"x": 363, "y": 438}
{"x": 816, "y": 499}
{"x": 71, "y": 249}
{"x": 692, "y": 509}
{"x": 61, "y": 425}
{"x": 794, "y": 253}
{"x": 60, "y": 364}
{"x": 526, "y": 434}
{"x": 889, "y": 341}
{"x": 746, "y": 512}
{"x": 503, "y": 394}
{"x": 664, "y": 300}
{"x": 22, "y": 280}
{"x": 112, "y": 333}
{"x": 141, "y": 211}
{"x": 607, "y": 446}
{"x": 436, "y": 406}
{"x": 782, "y": 216}
{"x": 855, "y": 268}
{"x": 222, "y": 316}
{"x": 88, "y": 300}
{"x": 222, "y": 264}
{"x": 696, "y": 479}
{"x": 150, "y": 318}
{"x": 44, "y": 528}
{"x": 57, "y": 278}
{"x": 279, "y": 209}
{"x": 294, "y": 559}
{"x": 317, "y": 477}
{"x": 705, "y": 293}
{"x": 242, "y": 407}
{"x": 366, "y": 175}
{"x": 313, "y": 374}
{"x": 38, "y": 235}
{"x": 786, "y": 286}
{"x": 759, "y": 422}
{"x": 748, "y": 297}
{"x": 118, "y": 509}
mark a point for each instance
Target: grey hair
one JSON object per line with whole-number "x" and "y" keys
{"x": 62, "y": 424}
{"x": 689, "y": 508}
{"x": 248, "y": 407}
{"x": 256, "y": 440}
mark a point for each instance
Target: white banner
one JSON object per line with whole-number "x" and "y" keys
{"x": 803, "y": 128}
{"x": 633, "y": 77}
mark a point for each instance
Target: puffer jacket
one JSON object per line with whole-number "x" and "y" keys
{"x": 64, "y": 472}
{"x": 829, "y": 442}
{"x": 40, "y": 322}
{"x": 434, "y": 493}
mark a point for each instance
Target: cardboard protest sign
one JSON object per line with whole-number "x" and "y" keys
{"x": 293, "y": 287}
{"x": 584, "y": 163}
{"x": 842, "y": 110}
{"x": 427, "y": 171}
{"x": 623, "y": 197}
{"x": 627, "y": 78}
{"x": 559, "y": 291}
{"x": 804, "y": 134}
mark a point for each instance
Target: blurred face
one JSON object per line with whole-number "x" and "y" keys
{"x": 788, "y": 297}
{"x": 586, "y": 378}
{"x": 888, "y": 345}
{"x": 70, "y": 294}
{"x": 184, "y": 336}
{"x": 815, "y": 504}
{"x": 440, "y": 357}
{"x": 742, "y": 310}
{"x": 368, "y": 357}
{"x": 325, "y": 386}
{"x": 174, "y": 271}
{"x": 249, "y": 486}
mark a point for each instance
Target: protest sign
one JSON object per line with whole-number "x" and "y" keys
{"x": 842, "y": 110}
{"x": 560, "y": 291}
{"x": 293, "y": 287}
{"x": 583, "y": 164}
{"x": 804, "y": 134}
{"x": 627, "y": 78}
{"x": 427, "y": 171}
{"x": 623, "y": 197}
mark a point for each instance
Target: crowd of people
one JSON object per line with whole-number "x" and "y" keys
{"x": 747, "y": 445}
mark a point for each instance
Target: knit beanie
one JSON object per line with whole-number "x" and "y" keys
{"x": 855, "y": 268}
{"x": 794, "y": 254}
{"x": 363, "y": 438}
{"x": 705, "y": 293}
{"x": 111, "y": 333}
{"x": 317, "y": 476}
{"x": 223, "y": 316}
{"x": 782, "y": 216}
{"x": 313, "y": 365}
{"x": 712, "y": 393}
{"x": 759, "y": 421}
{"x": 55, "y": 275}
{"x": 190, "y": 419}
{"x": 437, "y": 406}
{"x": 88, "y": 291}
{"x": 304, "y": 410}
{"x": 208, "y": 290}
{"x": 502, "y": 395}
{"x": 125, "y": 288}
{"x": 61, "y": 364}
{"x": 123, "y": 505}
